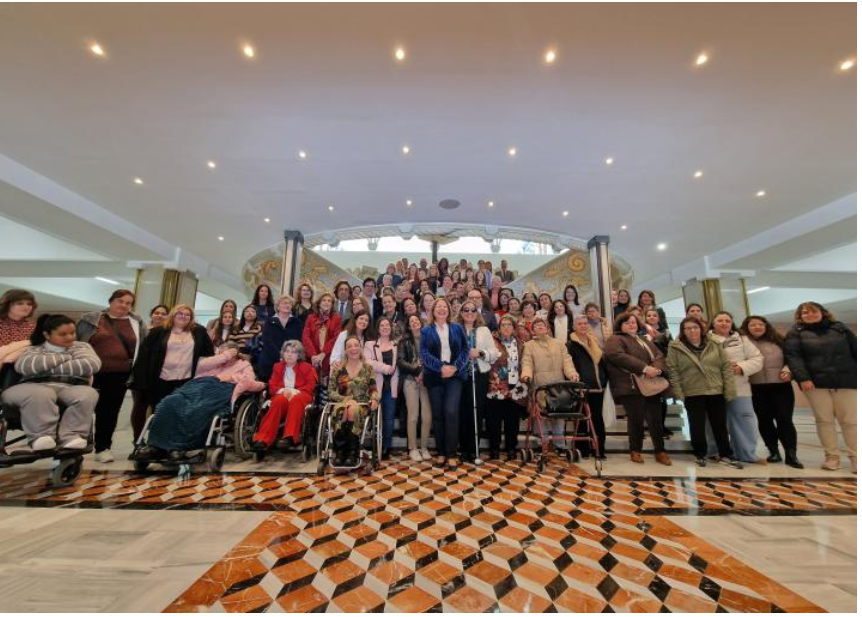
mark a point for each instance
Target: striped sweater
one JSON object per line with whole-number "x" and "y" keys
{"x": 49, "y": 363}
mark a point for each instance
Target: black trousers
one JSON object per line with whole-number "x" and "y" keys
{"x": 713, "y": 408}
{"x": 466, "y": 427}
{"x": 595, "y": 400}
{"x": 773, "y": 404}
{"x": 503, "y": 415}
{"x": 139, "y": 413}
{"x": 112, "y": 390}
{"x": 637, "y": 409}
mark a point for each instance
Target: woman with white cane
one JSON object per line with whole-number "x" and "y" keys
{"x": 483, "y": 353}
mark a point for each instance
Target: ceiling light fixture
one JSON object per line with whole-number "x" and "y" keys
{"x": 513, "y": 151}
{"x": 565, "y": 213}
{"x": 662, "y": 246}
{"x": 113, "y": 282}
{"x": 138, "y": 181}
{"x": 97, "y": 50}
{"x": 400, "y": 54}
{"x": 303, "y": 154}
{"x": 848, "y": 64}
{"x": 698, "y": 174}
{"x": 221, "y": 238}
{"x": 757, "y": 290}
{"x": 624, "y": 227}
{"x": 266, "y": 220}
{"x": 702, "y": 59}
{"x": 609, "y": 160}
{"x": 405, "y": 150}
{"x": 490, "y": 204}
{"x": 760, "y": 194}
{"x": 211, "y": 164}
{"x": 248, "y": 51}
{"x": 331, "y": 208}
{"x": 550, "y": 56}
{"x": 409, "y": 202}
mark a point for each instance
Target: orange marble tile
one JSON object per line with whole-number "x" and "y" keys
{"x": 359, "y": 600}
{"x": 522, "y": 601}
{"x": 303, "y": 600}
{"x": 467, "y": 600}
{"x": 414, "y": 600}
{"x": 246, "y": 601}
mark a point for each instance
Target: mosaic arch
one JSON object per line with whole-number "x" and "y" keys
{"x": 570, "y": 267}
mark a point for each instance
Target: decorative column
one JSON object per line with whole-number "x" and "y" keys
{"x": 292, "y": 264}
{"x": 435, "y": 246}
{"x": 155, "y": 284}
{"x": 600, "y": 273}
{"x": 718, "y": 294}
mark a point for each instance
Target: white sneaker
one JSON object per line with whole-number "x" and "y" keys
{"x": 45, "y": 442}
{"x": 104, "y": 456}
{"x": 426, "y": 455}
{"x": 415, "y": 456}
{"x": 76, "y": 443}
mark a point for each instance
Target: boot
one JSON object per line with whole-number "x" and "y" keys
{"x": 774, "y": 456}
{"x": 352, "y": 458}
{"x": 791, "y": 461}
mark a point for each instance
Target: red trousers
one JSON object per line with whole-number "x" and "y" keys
{"x": 280, "y": 407}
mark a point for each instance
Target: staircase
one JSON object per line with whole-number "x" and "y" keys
{"x": 618, "y": 441}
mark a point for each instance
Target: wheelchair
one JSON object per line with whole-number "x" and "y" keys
{"x": 370, "y": 442}
{"x": 563, "y": 400}
{"x": 307, "y": 445}
{"x": 233, "y": 431}
{"x": 67, "y": 463}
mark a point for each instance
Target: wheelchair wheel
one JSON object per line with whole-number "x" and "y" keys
{"x": 307, "y": 453}
{"x": 142, "y": 466}
{"x": 244, "y": 427}
{"x": 67, "y": 471}
{"x": 215, "y": 459}
{"x": 571, "y": 456}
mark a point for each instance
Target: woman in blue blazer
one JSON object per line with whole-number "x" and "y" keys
{"x": 444, "y": 351}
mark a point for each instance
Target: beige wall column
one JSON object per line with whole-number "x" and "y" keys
{"x": 600, "y": 274}
{"x": 718, "y": 294}
{"x": 292, "y": 264}
{"x": 155, "y": 284}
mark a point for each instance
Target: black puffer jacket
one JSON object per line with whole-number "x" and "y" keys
{"x": 824, "y": 353}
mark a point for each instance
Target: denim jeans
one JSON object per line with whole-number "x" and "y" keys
{"x": 445, "y": 413}
{"x": 742, "y": 424}
{"x": 388, "y": 408}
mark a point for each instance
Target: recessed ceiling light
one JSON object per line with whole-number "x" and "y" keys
{"x": 702, "y": 59}
{"x": 848, "y": 64}
{"x": 221, "y": 238}
{"x": 248, "y": 51}
{"x": 303, "y": 154}
{"x": 400, "y": 54}
{"x": 138, "y": 181}
{"x": 609, "y": 160}
{"x": 698, "y": 174}
{"x": 113, "y": 282}
{"x": 405, "y": 149}
{"x": 331, "y": 208}
{"x": 409, "y": 202}
{"x": 266, "y": 220}
{"x": 97, "y": 50}
{"x": 624, "y": 227}
{"x": 550, "y": 56}
{"x": 513, "y": 151}
{"x": 760, "y": 194}
{"x": 211, "y": 164}
{"x": 565, "y": 213}
{"x": 757, "y": 290}
{"x": 661, "y": 246}
{"x": 490, "y": 204}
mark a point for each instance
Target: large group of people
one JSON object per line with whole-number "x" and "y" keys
{"x": 441, "y": 348}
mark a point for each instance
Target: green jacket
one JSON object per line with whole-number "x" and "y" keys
{"x": 708, "y": 374}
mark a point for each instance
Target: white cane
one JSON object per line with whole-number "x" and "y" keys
{"x": 478, "y": 460}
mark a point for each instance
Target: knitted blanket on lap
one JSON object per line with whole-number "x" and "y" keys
{"x": 182, "y": 420}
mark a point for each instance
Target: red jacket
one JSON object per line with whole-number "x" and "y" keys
{"x": 306, "y": 378}
{"x": 311, "y": 340}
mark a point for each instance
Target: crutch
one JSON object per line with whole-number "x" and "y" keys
{"x": 478, "y": 460}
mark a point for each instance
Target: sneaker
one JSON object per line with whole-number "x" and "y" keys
{"x": 76, "y": 443}
{"x": 416, "y": 456}
{"x": 701, "y": 462}
{"x": 729, "y": 462}
{"x": 104, "y": 456}
{"x": 832, "y": 463}
{"x": 426, "y": 455}
{"x": 45, "y": 442}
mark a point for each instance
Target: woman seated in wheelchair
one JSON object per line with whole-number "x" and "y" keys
{"x": 292, "y": 389}
{"x": 56, "y": 370}
{"x": 179, "y": 428}
{"x": 352, "y": 393}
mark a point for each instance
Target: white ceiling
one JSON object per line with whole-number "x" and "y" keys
{"x": 770, "y": 110}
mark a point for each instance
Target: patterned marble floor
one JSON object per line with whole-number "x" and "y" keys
{"x": 496, "y": 537}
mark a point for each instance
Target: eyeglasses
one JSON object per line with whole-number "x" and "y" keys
{"x": 468, "y": 310}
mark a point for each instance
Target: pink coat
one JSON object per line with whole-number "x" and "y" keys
{"x": 235, "y": 371}
{"x": 373, "y": 357}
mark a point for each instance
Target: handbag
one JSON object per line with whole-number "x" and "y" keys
{"x": 649, "y": 386}
{"x": 609, "y": 409}
{"x": 560, "y": 397}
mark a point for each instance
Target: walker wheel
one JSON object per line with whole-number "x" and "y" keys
{"x": 321, "y": 467}
{"x": 215, "y": 459}
{"x": 540, "y": 465}
{"x": 66, "y": 471}
{"x": 571, "y": 456}
{"x": 369, "y": 468}
{"x": 530, "y": 455}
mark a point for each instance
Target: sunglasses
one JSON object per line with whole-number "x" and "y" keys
{"x": 468, "y": 310}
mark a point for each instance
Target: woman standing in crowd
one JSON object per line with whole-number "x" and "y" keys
{"x": 628, "y": 356}
{"x": 622, "y": 304}
{"x": 507, "y": 394}
{"x": 322, "y": 327}
{"x": 115, "y": 334}
{"x": 17, "y": 322}
{"x": 292, "y": 389}
{"x": 304, "y": 301}
{"x": 415, "y": 392}
{"x": 427, "y": 304}
{"x": 221, "y": 331}
{"x": 821, "y": 354}
{"x": 284, "y": 326}
{"x": 647, "y": 302}
{"x": 138, "y": 419}
{"x": 228, "y": 306}
{"x": 587, "y": 357}
{"x": 701, "y": 375}
{"x": 356, "y": 291}
{"x": 479, "y": 280}
{"x": 545, "y": 302}
{"x": 494, "y": 294}
{"x": 546, "y": 360}
{"x": 409, "y": 308}
{"x": 353, "y": 391}
{"x": 358, "y": 327}
{"x": 513, "y": 308}
{"x": 55, "y": 369}
{"x": 169, "y": 355}
{"x": 503, "y": 300}
{"x": 696, "y": 310}
{"x": 382, "y": 356}
{"x": 483, "y": 353}
{"x": 359, "y": 304}
{"x": 247, "y": 333}
{"x": 264, "y": 303}
{"x": 445, "y": 353}
{"x": 561, "y": 321}
{"x": 599, "y": 326}
{"x": 442, "y": 267}
{"x": 771, "y": 391}
{"x": 572, "y": 300}
{"x": 659, "y": 334}
{"x": 745, "y": 359}
{"x": 528, "y": 314}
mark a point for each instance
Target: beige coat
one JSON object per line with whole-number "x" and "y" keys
{"x": 547, "y": 360}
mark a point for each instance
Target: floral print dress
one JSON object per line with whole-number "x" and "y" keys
{"x": 361, "y": 388}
